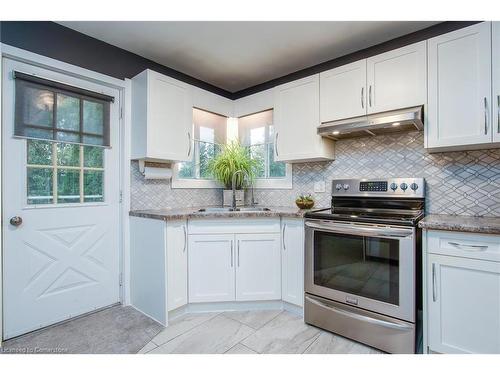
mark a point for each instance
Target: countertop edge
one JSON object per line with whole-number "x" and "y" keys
{"x": 456, "y": 223}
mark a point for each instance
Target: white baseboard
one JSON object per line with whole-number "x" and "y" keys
{"x": 196, "y": 308}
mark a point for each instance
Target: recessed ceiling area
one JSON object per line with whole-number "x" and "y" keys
{"x": 238, "y": 55}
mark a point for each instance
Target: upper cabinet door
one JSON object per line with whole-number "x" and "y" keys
{"x": 397, "y": 79}
{"x": 459, "y": 83}
{"x": 496, "y": 81}
{"x": 162, "y": 116}
{"x": 343, "y": 92}
{"x": 296, "y": 118}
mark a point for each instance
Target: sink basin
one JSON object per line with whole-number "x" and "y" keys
{"x": 229, "y": 209}
{"x": 215, "y": 209}
{"x": 252, "y": 209}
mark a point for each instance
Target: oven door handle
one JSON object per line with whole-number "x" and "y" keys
{"x": 362, "y": 230}
{"x": 368, "y": 319}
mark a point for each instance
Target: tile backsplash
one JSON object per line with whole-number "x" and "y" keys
{"x": 462, "y": 183}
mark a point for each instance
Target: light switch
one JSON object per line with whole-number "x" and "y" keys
{"x": 319, "y": 187}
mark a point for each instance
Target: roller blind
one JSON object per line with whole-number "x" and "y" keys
{"x": 58, "y": 112}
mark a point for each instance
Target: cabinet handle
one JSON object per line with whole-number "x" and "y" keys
{"x": 185, "y": 238}
{"x": 498, "y": 113}
{"x": 469, "y": 247}
{"x": 434, "y": 282}
{"x": 284, "y": 242}
{"x": 231, "y": 253}
{"x": 362, "y": 97}
{"x": 238, "y": 253}
{"x": 276, "y": 144}
{"x": 189, "y": 143}
{"x": 485, "y": 115}
{"x": 370, "y": 95}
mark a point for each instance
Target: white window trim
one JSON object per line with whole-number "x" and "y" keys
{"x": 260, "y": 183}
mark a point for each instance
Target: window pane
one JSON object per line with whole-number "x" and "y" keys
{"x": 68, "y": 154}
{"x": 40, "y": 188}
{"x": 93, "y": 186}
{"x": 276, "y": 168}
{"x": 186, "y": 169}
{"x": 38, "y": 133}
{"x": 258, "y": 153}
{"x": 90, "y": 140}
{"x": 38, "y": 107}
{"x": 68, "y": 137}
{"x": 68, "y": 112}
{"x": 207, "y": 152}
{"x": 68, "y": 186}
{"x": 93, "y": 157}
{"x": 93, "y": 117}
{"x": 39, "y": 152}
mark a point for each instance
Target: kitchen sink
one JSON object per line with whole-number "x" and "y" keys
{"x": 229, "y": 209}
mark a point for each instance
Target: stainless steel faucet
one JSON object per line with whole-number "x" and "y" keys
{"x": 233, "y": 183}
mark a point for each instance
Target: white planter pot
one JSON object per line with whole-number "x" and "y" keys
{"x": 228, "y": 198}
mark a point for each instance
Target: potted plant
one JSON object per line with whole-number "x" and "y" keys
{"x": 305, "y": 202}
{"x": 233, "y": 157}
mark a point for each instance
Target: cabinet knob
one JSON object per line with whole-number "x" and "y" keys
{"x": 16, "y": 221}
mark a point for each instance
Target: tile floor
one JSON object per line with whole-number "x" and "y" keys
{"x": 249, "y": 332}
{"x": 118, "y": 329}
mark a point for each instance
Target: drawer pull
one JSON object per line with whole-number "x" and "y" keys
{"x": 434, "y": 298}
{"x": 469, "y": 247}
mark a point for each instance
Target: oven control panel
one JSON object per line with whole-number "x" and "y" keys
{"x": 410, "y": 187}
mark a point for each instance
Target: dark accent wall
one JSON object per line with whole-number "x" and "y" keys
{"x": 404, "y": 40}
{"x": 61, "y": 43}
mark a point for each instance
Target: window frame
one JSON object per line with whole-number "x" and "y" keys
{"x": 54, "y": 167}
{"x": 260, "y": 183}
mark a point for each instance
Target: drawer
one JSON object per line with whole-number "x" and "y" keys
{"x": 465, "y": 245}
{"x": 234, "y": 225}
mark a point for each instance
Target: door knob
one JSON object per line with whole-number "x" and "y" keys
{"x": 16, "y": 221}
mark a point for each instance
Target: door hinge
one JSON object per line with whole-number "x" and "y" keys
{"x": 121, "y": 196}
{"x": 120, "y": 279}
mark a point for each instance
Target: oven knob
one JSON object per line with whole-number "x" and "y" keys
{"x": 338, "y": 186}
{"x": 346, "y": 186}
{"x": 414, "y": 186}
{"x": 394, "y": 186}
{"x": 403, "y": 186}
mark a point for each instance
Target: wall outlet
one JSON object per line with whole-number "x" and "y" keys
{"x": 319, "y": 187}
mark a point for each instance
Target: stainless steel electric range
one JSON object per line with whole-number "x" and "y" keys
{"x": 363, "y": 262}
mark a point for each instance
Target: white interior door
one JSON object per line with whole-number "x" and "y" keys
{"x": 63, "y": 260}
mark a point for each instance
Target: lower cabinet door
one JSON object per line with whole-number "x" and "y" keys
{"x": 463, "y": 305}
{"x": 211, "y": 262}
{"x": 258, "y": 267}
{"x": 292, "y": 261}
{"x": 177, "y": 264}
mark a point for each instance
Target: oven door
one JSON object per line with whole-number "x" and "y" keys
{"x": 364, "y": 265}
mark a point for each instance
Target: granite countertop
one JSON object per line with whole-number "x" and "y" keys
{"x": 461, "y": 223}
{"x": 193, "y": 213}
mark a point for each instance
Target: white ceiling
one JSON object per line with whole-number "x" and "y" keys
{"x": 237, "y": 55}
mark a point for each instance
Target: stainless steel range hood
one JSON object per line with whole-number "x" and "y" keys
{"x": 378, "y": 123}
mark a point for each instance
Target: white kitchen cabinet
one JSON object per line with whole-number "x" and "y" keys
{"x": 459, "y": 110}
{"x": 258, "y": 264}
{"x": 211, "y": 262}
{"x": 177, "y": 264}
{"x": 292, "y": 261}
{"x": 296, "y": 118}
{"x": 161, "y": 118}
{"x": 496, "y": 80}
{"x": 343, "y": 92}
{"x": 397, "y": 79}
{"x": 463, "y": 305}
{"x": 148, "y": 284}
